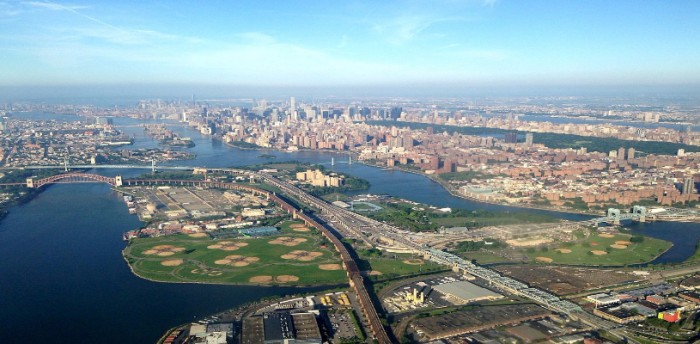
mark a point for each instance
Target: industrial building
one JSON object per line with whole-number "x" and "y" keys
{"x": 281, "y": 327}
{"x": 462, "y": 292}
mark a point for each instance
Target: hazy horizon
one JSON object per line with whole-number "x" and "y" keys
{"x": 356, "y": 47}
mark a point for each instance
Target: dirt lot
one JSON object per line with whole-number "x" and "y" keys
{"x": 566, "y": 280}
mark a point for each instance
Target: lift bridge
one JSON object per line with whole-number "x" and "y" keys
{"x": 639, "y": 213}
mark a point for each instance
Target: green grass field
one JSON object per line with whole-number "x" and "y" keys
{"x": 390, "y": 265}
{"x": 581, "y": 254}
{"x": 198, "y": 261}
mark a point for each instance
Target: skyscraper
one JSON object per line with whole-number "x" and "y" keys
{"x": 528, "y": 139}
{"x": 688, "y": 186}
{"x": 292, "y": 105}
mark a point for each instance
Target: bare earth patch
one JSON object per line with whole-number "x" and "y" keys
{"x": 197, "y": 235}
{"x": 375, "y": 273}
{"x": 528, "y": 242}
{"x": 260, "y": 279}
{"x": 599, "y": 252}
{"x": 606, "y": 235}
{"x": 163, "y": 250}
{"x": 227, "y": 245}
{"x": 544, "y": 259}
{"x": 171, "y": 262}
{"x": 301, "y": 229}
{"x": 564, "y": 250}
{"x": 237, "y": 261}
{"x": 300, "y": 255}
{"x": 286, "y": 278}
{"x": 623, "y": 242}
{"x": 619, "y": 247}
{"x": 297, "y": 225}
{"x": 287, "y": 241}
{"x": 414, "y": 261}
{"x": 330, "y": 267}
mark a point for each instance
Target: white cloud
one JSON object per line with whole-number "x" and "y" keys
{"x": 54, "y": 6}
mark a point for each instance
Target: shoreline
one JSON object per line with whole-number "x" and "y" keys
{"x": 450, "y": 190}
{"x": 131, "y": 268}
{"x": 456, "y": 194}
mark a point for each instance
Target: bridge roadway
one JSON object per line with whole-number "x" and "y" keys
{"x": 82, "y": 167}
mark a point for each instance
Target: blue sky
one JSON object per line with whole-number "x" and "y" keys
{"x": 336, "y": 43}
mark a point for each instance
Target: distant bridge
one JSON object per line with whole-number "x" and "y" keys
{"x": 82, "y": 167}
{"x": 639, "y": 213}
{"x": 70, "y": 178}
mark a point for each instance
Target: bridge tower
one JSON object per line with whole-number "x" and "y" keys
{"x": 614, "y": 214}
{"x": 153, "y": 166}
{"x": 641, "y": 211}
{"x": 30, "y": 183}
{"x": 118, "y": 181}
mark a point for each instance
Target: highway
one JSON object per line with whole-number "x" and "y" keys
{"x": 358, "y": 226}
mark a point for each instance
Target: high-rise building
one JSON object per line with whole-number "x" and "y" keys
{"x": 630, "y": 153}
{"x": 528, "y": 139}
{"x": 621, "y": 153}
{"x": 292, "y": 105}
{"x": 688, "y": 186}
{"x": 511, "y": 137}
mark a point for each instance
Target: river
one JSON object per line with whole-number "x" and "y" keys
{"x": 63, "y": 278}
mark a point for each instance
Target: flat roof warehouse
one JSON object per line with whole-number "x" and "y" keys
{"x": 466, "y": 292}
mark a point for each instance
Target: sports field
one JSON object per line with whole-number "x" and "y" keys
{"x": 602, "y": 249}
{"x": 297, "y": 256}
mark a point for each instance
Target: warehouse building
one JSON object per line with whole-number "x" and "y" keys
{"x": 462, "y": 292}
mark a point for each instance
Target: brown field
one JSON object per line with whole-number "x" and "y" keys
{"x": 330, "y": 267}
{"x": 163, "y": 250}
{"x": 286, "y": 278}
{"x": 237, "y": 261}
{"x": 287, "y": 241}
{"x": 227, "y": 245}
{"x": 599, "y": 252}
{"x": 606, "y": 235}
{"x": 566, "y": 280}
{"x": 623, "y": 242}
{"x": 544, "y": 259}
{"x": 172, "y": 262}
{"x": 300, "y": 255}
{"x": 301, "y": 229}
{"x": 260, "y": 279}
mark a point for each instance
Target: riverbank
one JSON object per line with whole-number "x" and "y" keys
{"x": 455, "y": 193}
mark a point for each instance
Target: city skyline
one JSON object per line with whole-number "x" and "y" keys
{"x": 455, "y": 44}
